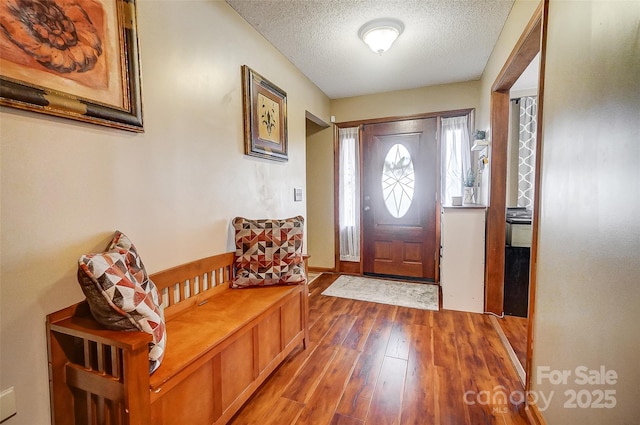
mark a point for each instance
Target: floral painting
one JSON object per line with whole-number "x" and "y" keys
{"x": 75, "y": 58}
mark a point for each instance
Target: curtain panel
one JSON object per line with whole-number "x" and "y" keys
{"x": 456, "y": 156}
{"x": 527, "y": 150}
{"x": 349, "y": 194}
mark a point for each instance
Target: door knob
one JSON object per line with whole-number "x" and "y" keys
{"x": 367, "y": 208}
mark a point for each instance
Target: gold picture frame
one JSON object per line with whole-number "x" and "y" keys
{"x": 265, "y": 117}
{"x": 76, "y": 60}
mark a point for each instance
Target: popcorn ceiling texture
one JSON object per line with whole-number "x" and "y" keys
{"x": 443, "y": 41}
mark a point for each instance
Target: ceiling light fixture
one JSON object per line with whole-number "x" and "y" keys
{"x": 380, "y": 34}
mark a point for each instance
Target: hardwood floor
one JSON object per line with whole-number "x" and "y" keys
{"x": 370, "y": 364}
{"x": 515, "y": 329}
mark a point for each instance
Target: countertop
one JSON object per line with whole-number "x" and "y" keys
{"x": 465, "y": 207}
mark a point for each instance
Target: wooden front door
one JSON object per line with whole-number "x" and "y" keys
{"x": 399, "y": 198}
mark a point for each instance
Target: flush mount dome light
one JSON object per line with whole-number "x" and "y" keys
{"x": 381, "y": 33}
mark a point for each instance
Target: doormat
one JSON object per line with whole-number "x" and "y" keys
{"x": 414, "y": 295}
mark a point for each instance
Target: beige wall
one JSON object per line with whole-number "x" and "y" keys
{"x": 66, "y": 186}
{"x": 320, "y": 202}
{"x": 407, "y": 102}
{"x": 589, "y": 250}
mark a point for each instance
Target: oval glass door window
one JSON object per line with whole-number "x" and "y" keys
{"x": 398, "y": 180}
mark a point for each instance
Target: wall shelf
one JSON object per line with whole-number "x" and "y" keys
{"x": 478, "y": 145}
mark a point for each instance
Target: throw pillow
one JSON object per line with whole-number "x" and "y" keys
{"x": 121, "y": 296}
{"x": 268, "y": 252}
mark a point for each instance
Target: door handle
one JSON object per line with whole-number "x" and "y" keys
{"x": 367, "y": 208}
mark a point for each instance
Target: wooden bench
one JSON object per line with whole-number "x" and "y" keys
{"x": 222, "y": 344}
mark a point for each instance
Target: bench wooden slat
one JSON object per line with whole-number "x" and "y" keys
{"x": 170, "y": 277}
{"x": 94, "y": 382}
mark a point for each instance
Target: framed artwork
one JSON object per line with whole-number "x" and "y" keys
{"x": 76, "y": 60}
{"x": 265, "y": 117}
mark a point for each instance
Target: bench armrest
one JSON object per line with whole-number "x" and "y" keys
{"x": 88, "y": 362}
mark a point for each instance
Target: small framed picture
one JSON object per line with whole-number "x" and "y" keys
{"x": 265, "y": 117}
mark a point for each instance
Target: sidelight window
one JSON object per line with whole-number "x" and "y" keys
{"x": 456, "y": 155}
{"x": 349, "y": 194}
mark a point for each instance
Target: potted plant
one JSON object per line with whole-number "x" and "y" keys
{"x": 479, "y": 135}
{"x": 469, "y": 181}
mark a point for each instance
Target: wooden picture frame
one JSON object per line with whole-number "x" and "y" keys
{"x": 73, "y": 60}
{"x": 265, "y": 117}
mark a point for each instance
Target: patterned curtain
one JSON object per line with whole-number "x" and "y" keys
{"x": 527, "y": 150}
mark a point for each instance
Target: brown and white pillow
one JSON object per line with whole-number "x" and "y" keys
{"x": 268, "y": 252}
{"x": 120, "y": 294}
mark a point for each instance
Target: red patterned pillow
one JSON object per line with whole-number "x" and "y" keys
{"x": 121, "y": 296}
{"x": 268, "y": 252}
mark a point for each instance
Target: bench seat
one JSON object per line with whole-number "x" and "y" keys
{"x": 203, "y": 328}
{"x": 222, "y": 344}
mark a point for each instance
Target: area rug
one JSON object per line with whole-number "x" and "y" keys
{"x": 415, "y": 295}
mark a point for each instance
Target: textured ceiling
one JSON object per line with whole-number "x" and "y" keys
{"x": 444, "y": 41}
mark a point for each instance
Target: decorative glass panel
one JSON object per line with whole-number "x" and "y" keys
{"x": 398, "y": 180}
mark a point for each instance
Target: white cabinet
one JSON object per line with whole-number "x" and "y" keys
{"x": 462, "y": 258}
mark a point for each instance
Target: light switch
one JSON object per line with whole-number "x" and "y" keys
{"x": 297, "y": 194}
{"x": 7, "y": 404}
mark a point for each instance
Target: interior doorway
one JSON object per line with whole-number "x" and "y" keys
{"x": 530, "y": 44}
{"x": 319, "y": 157}
{"x": 522, "y": 149}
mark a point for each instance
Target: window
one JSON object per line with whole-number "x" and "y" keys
{"x": 349, "y": 194}
{"x": 456, "y": 156}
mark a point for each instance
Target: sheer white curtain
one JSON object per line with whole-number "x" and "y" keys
{"x": 349, "y": 194}
{"x": 456, "y": 156}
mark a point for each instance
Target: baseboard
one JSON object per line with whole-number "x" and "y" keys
{"x": 510, "y": 352}
{"x": 312, "y": 278}
{"x": 533, "y": 414}
{"x": 531, "y": 409}
{"x": 321, "y": 269}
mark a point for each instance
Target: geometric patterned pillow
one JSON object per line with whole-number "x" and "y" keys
{"x": 268, "y": 252}
{"x": 121, "y": 296}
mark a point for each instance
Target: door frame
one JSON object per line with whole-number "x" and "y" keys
{"x": 522, "y": 54}
{"x": 356, "y": 268}
{"x": 531, "y": 42}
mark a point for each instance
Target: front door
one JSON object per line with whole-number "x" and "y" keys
{"x": 399, "y": 198}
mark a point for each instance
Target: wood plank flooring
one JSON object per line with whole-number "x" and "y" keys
{"x": 515, "y": 329}
{"x": 374, "y": 364}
